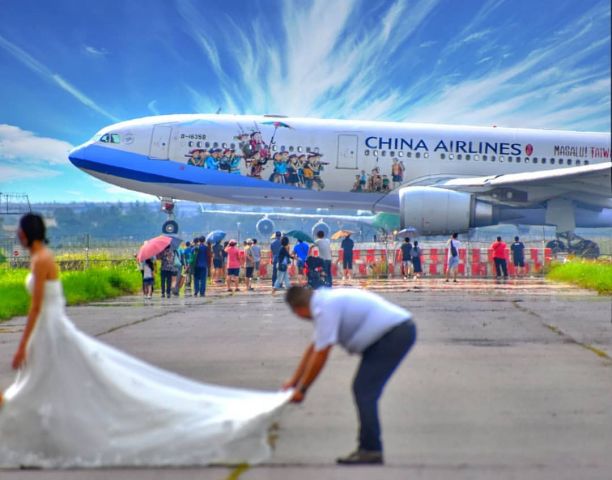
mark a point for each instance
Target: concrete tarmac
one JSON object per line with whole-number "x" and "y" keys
{"x": 507, "y": 380}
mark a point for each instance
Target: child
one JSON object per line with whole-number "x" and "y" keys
{"x": 147, "y": 278}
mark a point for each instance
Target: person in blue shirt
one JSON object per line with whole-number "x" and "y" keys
{"x": 518, "y": 256}
{"x": 186, "y": 257}
{"x": 200, "y": 261}
{"x": 301, "y": 253}
{"x": 347, "y": 256}
{"x": 234, "y": 163}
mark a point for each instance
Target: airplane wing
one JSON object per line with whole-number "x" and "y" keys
{"x": 589, "y": 184}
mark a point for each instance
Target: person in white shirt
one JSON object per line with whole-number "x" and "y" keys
{"x": 325, "y": 254}
{"x": 452, "y": 256}
{"x": 363, "y": 323}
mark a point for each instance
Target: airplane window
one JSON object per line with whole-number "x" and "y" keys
{"x": 426, "y": 155}
{"x": 501, "y": 158}
{"x": 115, "y": 138}
{"x": 467, "y": 157}
{"x": 493, "y": 158}
{"x": 233, "y": 146}
{"x": 451, "y": 156}
{"x": 366, "y": 152}
{"x": 274, "y": 148}
{"x": 307, "y": 149}
{"x": 543, "y": 160}
{"x": 459, "y": 156}
{"x": 384, "y": 153}
{"x": 560, "y": 161}
{"x": 224, "y": 145}
{"x": 215, "y": 145}
{"x": 535, "y": 160}
{"x": 400, "y": 154}
{"x": 198, "y": 144}
{"x": 392, "y": 153}
{"x": 442, "y": 156}
{"x": 316, "y": 149}
{"x": 104, "y": 138}
{"x": 586, "y": 162}
{"x": 190, "y": 143}
{"x": 291, "y": 149}
{"x": 526, "y": 159}
{"x": 417, "y": 155}
{"x": 299, "y": 149}
{"x": 569, "y": 161}
{"x": 408, "y": 154}
{"x": 375, "y": 153}
{"x": 283, "y": 148}
{"x": 207, "y": 144}
{"x": 510, "y": 159}
{"x": 484, "y": 157}
{"x": 577, "y": 162}
{"x": 476, "y": 157}
{"x": 552, "y": 161}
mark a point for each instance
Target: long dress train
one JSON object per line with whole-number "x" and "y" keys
{"x": 80, "y": 403}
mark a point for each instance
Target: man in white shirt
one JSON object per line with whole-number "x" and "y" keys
{"x": 452, "y": 256}
{"x": 364, "y": 323}
{"x": 325, "y": 254}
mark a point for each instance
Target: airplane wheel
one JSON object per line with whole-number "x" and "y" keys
{"x": 556, "y": 246}
{"x": 170, "y": 227}
{"x": 586, "y": 249}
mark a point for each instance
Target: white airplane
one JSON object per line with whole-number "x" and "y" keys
{"x": 437, "y": 178}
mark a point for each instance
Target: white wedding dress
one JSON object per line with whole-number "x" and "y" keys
{"x": 80, "y": 403}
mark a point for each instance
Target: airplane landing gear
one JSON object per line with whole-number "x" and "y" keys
{"x": 581, "y": 246}
{"x": 170, "y": 226}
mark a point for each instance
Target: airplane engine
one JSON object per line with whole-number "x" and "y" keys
{"x": 265, "y": 227}
{"x": 320, "y": 225}
{"x": 438, "y": 211}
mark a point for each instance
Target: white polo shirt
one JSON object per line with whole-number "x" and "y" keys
{"x": 353, "y": 318}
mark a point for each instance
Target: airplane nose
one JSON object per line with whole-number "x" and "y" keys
{"x": 77, "y": 154}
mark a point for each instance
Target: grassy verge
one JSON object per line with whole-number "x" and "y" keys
{"x": 594, "y": 275}
{"x": 79, "y": 287}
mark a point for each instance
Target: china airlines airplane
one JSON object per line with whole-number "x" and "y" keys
{"x": 437, "y": 178}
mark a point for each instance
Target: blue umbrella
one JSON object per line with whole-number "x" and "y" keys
{"x": 215, "y": 236}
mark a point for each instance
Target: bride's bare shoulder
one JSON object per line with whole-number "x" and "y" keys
{"x": 44, "y": 264}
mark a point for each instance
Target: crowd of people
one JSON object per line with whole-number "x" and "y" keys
{"x": 377, "y": 182}
{"x": 223, "y": 264}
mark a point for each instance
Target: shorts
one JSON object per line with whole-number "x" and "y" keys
{"x": 257, "y": 263}
{"x": 519, "y": 262}
{"x": 347, "y": 263}
{"x": 397, "y": 178}
{"x": 453, "y": 262}
{"x": 147, "y": 281}
{"x": 249, "y": 272}
{"x": 217, "y": 263}
{"x": 233, "y": 272}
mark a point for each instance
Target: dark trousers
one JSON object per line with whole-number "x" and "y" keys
{"x": 274, "y": 270}
{"x": 500, "y": 266}
{"x": 328, "y": 272}
{"x": 166, "y": 282}
{"x": 199, "y": 281}
{"x": 378, "y": 362}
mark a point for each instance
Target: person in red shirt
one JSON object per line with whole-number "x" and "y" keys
{"x": 233, "y": 265}
{"x": 499, "y": 257}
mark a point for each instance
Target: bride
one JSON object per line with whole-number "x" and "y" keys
{"x": 77, "y": 402}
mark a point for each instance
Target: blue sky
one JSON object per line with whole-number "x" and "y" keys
{"x": 70, "y": 67}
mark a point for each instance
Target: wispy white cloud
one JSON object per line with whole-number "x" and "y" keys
{"x": 152, "y": 106}
{"x": 42, "y": 70}
{"x": 428, "y": 43}
{"x": 14, "y": 172}
{"x": 96, "y": 52}
{"x": 476, "y": 36}
{"x": 18, "y": 144}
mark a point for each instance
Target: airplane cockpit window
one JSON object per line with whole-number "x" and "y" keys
{"x": 105, "y": 138}
{"x": 115, "y": 138}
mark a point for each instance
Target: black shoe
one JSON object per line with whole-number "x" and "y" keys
{"x": 362, "y": 457}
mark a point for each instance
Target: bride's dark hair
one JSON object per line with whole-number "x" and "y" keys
{"x": 33, "y": 228}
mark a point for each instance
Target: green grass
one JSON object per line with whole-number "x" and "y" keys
{"x": 594, "y": 275}
{"x": 79, "y": 287}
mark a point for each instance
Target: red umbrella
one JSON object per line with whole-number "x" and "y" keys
{"x": 153, "y": 247}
